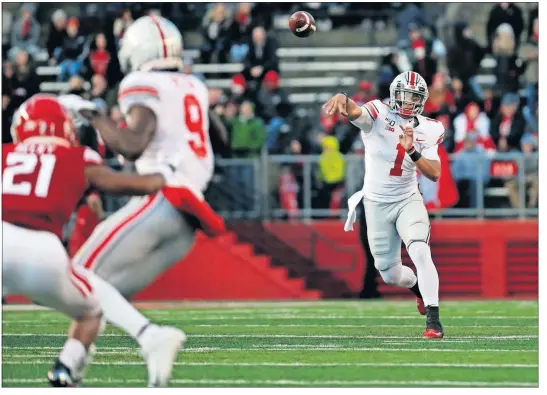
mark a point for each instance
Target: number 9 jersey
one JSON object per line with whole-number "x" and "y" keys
{"x": 181, "y": 148}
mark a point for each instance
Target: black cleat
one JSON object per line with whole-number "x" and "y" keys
{"x": 60, "y": 376}
{"x": 434, "y": 328}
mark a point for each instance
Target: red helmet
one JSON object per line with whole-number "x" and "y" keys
{"x": 42, "y": 116}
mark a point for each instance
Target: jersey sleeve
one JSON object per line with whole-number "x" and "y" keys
{"x": 139, "y": 88}
{"x": 435, "y": 137}
{"x": 91, "y": 157}
{"x": 370, "y": 112}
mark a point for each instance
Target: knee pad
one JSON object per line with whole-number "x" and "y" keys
{"x": 385, "y": 256}
{"x": 392, "y": 275}
{"x": 419, "y": 251}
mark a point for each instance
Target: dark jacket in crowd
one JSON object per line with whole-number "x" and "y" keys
{"x": 512, "y": 15}
{"x": 464, "y": 58}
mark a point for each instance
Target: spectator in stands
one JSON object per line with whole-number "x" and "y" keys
{"x": 248, "y": 133}
{"x": 387, "y": 71}
{"x": 530, "y": 53}
{"x": 490, "y": 102}
{"x": 509, "y": 67}
{"x": 465, "y": 58}
{"x": 25, "y": 81}
{"x": 461, "y": 99}
{"x": 215, "y": 34}
{"x": 76, "y": 87}
{"x": 533, "y": 15}
{"x": 57, "y": 34}
{"x": 240, "y": 32}
{"x": 25, "y": 34}
{"x": 274, "y": 107}
{"x": 504, "y": 13}
{"x": 7, "y": 22}
{"x": 364, "y": 94}
{"x": 7, "y": 105}
{"x": 473, "y": 122}
{"x": 529, "y": 145}
{"x": 464, "y": 171}
{"x": 508, "y": 125}
{"x": 261, "y": 58}
{"x": 411, "y": 14}
{"x": 121, "y": 25}
{"x": 421, "y": 54}
{"x": 99, "y": 58}
{"x": 99, "y": 90}
{"x": 238, "y": 89}
{"x": 440, "y": 99}
{"x": 73, "y": 52}
{"x": 331, "y": 173}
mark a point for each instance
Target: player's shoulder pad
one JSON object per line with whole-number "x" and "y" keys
{"x": 375, "y": 108}
{"x": 434, "y": 130}
{"x": 138, "y": 83}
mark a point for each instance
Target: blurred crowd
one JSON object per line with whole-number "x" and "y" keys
{"x": 257, "y": 110}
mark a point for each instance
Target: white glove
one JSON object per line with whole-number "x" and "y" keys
{"x": 76, "y": 105}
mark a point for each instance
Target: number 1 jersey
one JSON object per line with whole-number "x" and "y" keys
{"x": 390, "y": 174}
{"x": 180, "y": 149}
{"x": 42, "y": 183}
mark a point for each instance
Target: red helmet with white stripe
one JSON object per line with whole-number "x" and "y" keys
{"x": 41, "y": 118}
{"x": 151, "y": 42}
{"x": 408, "y": 94}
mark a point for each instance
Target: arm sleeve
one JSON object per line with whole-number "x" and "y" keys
{"x": 137, "y": 89}
{"x": 430, "y": 151}
{"x": 369, "y": 114}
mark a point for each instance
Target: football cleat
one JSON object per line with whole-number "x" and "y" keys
{"x": 431, "y": 333}
{"x": 420, "y": 305}
{"x": 60, "y": 376}
{"x": 160, "y": 352}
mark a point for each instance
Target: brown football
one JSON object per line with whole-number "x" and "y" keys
{"x": 302, "y": 24}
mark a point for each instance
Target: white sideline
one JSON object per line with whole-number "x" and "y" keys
{"x": 307, "y": 382}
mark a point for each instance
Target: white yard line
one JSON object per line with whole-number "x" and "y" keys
{"x": 306, "y": 382}
{"x": 274, "y": 336}
{"x": 37, "y": 324}
{"x": 10, "y": 361}
{"x": 299, "y": 348}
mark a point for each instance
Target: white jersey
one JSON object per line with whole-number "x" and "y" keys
{"x": 390, "y": 174}
{"x": 181, "y": 141}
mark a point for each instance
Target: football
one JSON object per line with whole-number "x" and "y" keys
{"x": 302, "y": 24}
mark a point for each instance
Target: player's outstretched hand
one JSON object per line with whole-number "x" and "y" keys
{"x": 337, "y": 104}
{"x": 407, "y": 138}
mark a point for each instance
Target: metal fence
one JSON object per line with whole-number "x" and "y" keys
{"x": 251, "y": 188}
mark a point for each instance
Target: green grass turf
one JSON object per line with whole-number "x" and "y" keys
{"x": 322, "y": 344}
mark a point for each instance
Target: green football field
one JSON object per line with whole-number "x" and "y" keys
{"x": 312, "y": 344}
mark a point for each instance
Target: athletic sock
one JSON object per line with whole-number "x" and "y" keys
{"x": 428, "y": 278}
{"x": 73, "y": 355}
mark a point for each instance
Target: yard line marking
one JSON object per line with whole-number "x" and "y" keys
{"x": 262, "y": 336}
{"x": 35, "y": 323}
{"x": 299, "y": 348}
{"x": 295, "y": 364}
{"x": 255, "y": 316}
{"x": 306, "y": 382}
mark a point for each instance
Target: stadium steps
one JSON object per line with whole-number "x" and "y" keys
{"x": 285, "y": 255}
{"x": 203, "y": 275}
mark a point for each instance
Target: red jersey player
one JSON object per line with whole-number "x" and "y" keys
{"x": 44, "y": 174}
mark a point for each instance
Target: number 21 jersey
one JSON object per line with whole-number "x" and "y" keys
{"x": 390, "y": 174}
{"x": 180, "y": 149}
{"x": 42, "y": 183}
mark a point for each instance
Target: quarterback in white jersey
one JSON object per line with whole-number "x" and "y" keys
{"x": 398, "y": 140}
{"x": 167, "y": 132}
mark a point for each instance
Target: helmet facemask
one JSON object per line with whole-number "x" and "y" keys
{"x": 408, "y": 102}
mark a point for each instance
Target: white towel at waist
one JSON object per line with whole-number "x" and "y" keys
{"x": 353, "y": 203}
